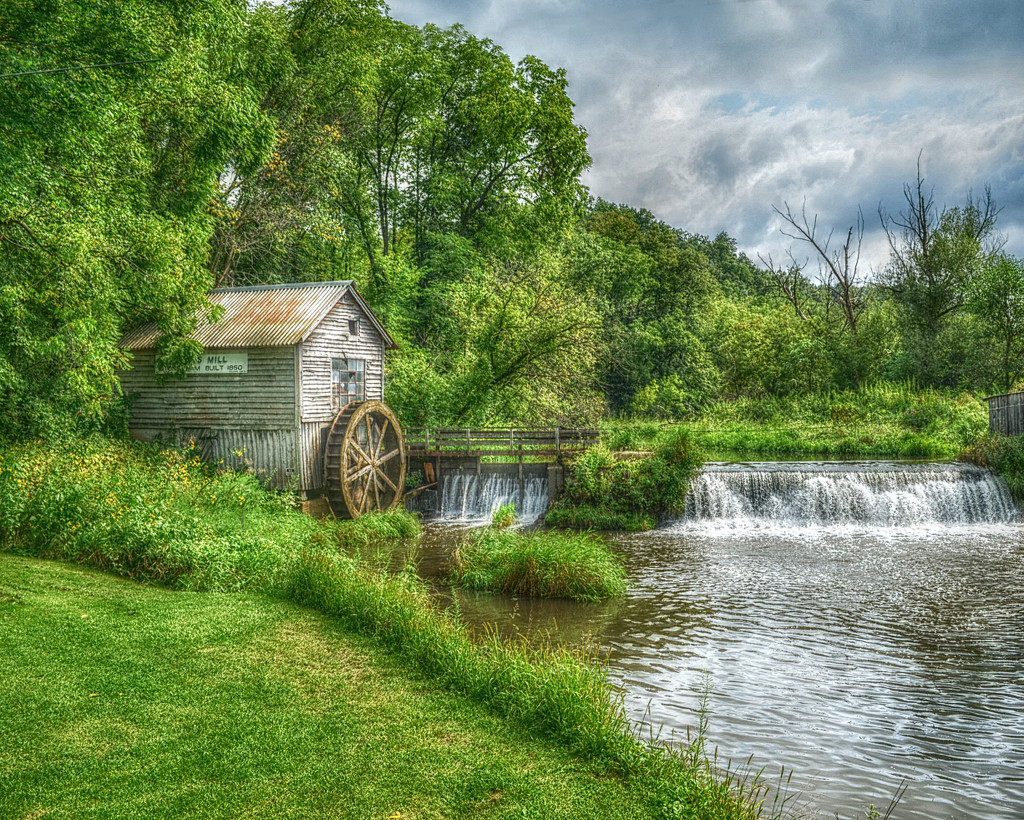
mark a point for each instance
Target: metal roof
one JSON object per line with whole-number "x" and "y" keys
{"x": 264, "y": 316}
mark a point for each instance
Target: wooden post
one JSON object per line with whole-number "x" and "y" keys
{"x": 558, "y": 442}
{"x": 522, "y": 489}
{"x": 467, "y": 441}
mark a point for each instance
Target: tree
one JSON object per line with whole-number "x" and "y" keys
{"x": 511, "y": 340}
{"x": 996, "y": 297}
{"x": 651, "y": 288}
{"x": 307, "y": 213}
{"x": 838, "y": 267}
{"x": 105, "y": 177}
{"x": 934, "y": 255}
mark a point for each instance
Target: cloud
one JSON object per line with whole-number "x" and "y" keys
{"x": 708, "y": 112}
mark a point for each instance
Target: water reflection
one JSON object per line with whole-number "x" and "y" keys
{"x": 856, "y": 658}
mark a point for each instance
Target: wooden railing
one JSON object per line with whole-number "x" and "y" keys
{"x": 525, "y": 442}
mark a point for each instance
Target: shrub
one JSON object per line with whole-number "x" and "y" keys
{"x": 634, "y": 492}
{"x": 504, "y": 517}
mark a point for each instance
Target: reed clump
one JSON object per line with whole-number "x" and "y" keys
{"x": 576, "y": 566}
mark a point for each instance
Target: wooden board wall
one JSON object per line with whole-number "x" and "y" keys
{"x": 331, "y": 340}
{"x": 1006, "y": 414}
{"x": 272, "y": 454}
{"x": 262, "y": 399}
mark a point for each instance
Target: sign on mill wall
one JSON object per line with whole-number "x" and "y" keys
{"x": 222, "y": 363}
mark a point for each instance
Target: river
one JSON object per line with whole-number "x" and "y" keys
{"x": 860, "y": 624}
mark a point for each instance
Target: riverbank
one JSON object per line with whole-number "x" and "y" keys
{"x": 163, "y": 517}
{"x": 119, "y": 699}
{"x": 881, "y": 420}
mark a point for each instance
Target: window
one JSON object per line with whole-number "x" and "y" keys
{"x": 347, "y": 380}
{"x": 353, "y": 327}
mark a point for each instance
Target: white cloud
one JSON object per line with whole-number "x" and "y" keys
{"x": 707, "y": 112}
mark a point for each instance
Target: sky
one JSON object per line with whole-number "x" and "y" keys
{"x": 710, "y": 112}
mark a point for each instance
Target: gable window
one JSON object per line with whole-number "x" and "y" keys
{"x": 353, "y": 327}
{"x": 348, "y": 377}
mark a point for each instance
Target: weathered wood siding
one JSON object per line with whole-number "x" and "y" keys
{"x": 251, "y": 413}
{"x": 1006, "y": 414}
{"x": 273, "y": 455}
{"x": 331, "y": 340}
{"x": 262, "y": 399}
{"x": 313, "y": 441}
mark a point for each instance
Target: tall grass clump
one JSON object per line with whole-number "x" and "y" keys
{"x": 577, "y": 566}
{"x": 604, "y": 491}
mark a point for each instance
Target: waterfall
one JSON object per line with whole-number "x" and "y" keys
{"x": 849, "y": 494}
{"x": 465, "y": 497}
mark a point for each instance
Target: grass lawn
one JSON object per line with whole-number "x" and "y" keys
{"x": 123, "y": 700}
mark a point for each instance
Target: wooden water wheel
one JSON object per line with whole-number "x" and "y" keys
{"x": 364, "y": 462}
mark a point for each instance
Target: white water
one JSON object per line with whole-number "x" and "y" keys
{"x": 465, "y": 498}
{"x": 787, "y": 496}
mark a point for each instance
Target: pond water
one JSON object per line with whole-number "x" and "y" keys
{"x": 860, "y": 624}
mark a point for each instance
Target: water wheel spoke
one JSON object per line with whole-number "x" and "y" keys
{"x": 361, "y": 470}
{"x": 379, "y": 473}
{"x": 365, "y": 497}
{"x": 362, "y": 456}
{"x": 381, "y": 432}
{"x": 376, "y": 492}
{"x": 387, "y": 457}
{"x": 368, "y": 424}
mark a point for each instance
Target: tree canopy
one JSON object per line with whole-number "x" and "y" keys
{"x": 151, "y": 150}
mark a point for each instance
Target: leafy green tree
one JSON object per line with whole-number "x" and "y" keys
{"x": 497, "y": 135}
{"x": 305, "y": 214}
{"x": 997, "y": 298}
{"x": 767, "y": 351}
{"x": 935, "y": 255}
{"x": 105, "y": 177}
{"x": 509, "y": 341}
{"x": 650, "y": 287}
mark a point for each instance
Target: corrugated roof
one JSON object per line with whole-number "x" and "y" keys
{"x": 263, "y": 316}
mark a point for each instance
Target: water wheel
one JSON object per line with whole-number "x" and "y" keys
{"x": 364, "y": 463}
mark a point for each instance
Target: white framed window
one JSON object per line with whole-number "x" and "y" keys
{"x": 348, "y": 379}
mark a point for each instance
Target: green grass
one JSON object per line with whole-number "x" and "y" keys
{"x": 591, "y": 517}
{"x": 889, "y": 420}
{"x": 120, "y": 700}
{"x": 577, "y": 566}
{"x": 162, "y": 516}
